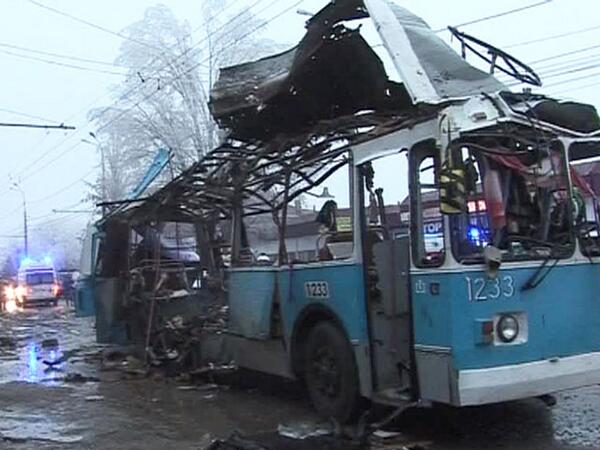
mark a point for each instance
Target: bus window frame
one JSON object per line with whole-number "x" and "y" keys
{"x": 569, "y": 145}
{"x": 570, "y": 251}
{"x": 417, "y": 154}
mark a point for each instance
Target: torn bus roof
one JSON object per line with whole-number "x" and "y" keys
{"x": 263, "y": 175}
{"x": 334, "y": 72}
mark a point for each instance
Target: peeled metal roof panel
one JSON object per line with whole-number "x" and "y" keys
{"x": 334, "y": 72}
{"x": 431, "y": 70}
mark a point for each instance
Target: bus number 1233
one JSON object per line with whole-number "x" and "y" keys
{"x": 483, "y": 289}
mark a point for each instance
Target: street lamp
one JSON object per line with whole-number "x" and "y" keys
{"x": 17, "y": 187}
{"x": 304, "y": 12}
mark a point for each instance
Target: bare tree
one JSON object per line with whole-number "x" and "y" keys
{"x": 163, "y": 102}
{"x": 60, "y": 241}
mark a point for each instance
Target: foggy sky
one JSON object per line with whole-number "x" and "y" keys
{"x": 66, "y": 95}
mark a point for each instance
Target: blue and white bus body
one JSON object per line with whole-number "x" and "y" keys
{"x": 559, "y": 345}
{"x": 433, "y": 335}
{"x": 453, "y": 361}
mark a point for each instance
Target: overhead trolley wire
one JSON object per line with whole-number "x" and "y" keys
{"x": 30, "y": 116}
{"x": 263, "y": 24}
{"x": 92, "y": 25}
{"x": 495, "y": 16}
{"x": 126, "y": 95}
{"x": 59, "y": 55}
{"x": 561, "y": 55}
{"x": 550, "y": 38}
{"x": 195, "y": 66}
{"x": 63, "y": 189}
{"x": 61, "y": 64}
{"x": 134, "y": 89}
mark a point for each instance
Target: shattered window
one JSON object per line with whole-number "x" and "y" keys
{"x": 385, "y": 200}
{"x": 427, "y": 220}
{"x": 586, "y": 193}
{"x": 320, "y": 221}
{"x": 516, "y": 201}
{"x": 318, "y": 226}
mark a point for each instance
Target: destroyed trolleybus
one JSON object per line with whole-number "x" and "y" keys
{"x": 483, "y": 289}
{"x": 455, "y": 258}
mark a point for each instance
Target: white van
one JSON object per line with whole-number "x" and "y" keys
{"x": 37, "y": 283}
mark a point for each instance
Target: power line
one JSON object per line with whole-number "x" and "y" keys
{"x": 30, "y": 116}
{"x": 194, "y": 67}
{"x": 132, "y": 90}
{"x": 35, "y": 146}
{"x": 63, "y": 189}
{"x": 59, "y": 55}
{"x": 558, "y": 65}
{"x": 92, "y": 25}
{"x": 549, "y": 38}
{"x": 495, "y": 16}
{"x": 49, "y": 219}
{"x": 586, "y": 86}
{"x": 587, "y": 77}
{"x": 564, "y": 67}
{"x": 61, "y": 64}
{"x": 60, "y": 155}
{"x": 157, "y": 72}
{"x": 560, "y": 73}
{"x": 561, "y": 55}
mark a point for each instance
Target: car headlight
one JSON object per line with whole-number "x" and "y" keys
{"x": 9, "y": 293}
{"x": 507, "y": 328}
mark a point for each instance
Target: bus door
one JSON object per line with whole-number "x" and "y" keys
{"x": 386, "y": 255}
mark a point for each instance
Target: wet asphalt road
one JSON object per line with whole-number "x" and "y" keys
{"x": 44, "y": 409}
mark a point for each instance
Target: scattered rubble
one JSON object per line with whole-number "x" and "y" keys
{"x": 304, "y": 430}
{"x": 50, "y": 343}
{"x": 235, "y": 442}
{"x": 79, "y": 378}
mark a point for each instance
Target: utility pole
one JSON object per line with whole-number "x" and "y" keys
{"x": 17, "y": 187}
{"x": 102, "y": 166}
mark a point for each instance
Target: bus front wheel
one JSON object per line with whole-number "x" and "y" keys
{"x": 330, "y": 372}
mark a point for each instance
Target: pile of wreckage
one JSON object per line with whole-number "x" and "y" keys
{"x": 290, "y": 119}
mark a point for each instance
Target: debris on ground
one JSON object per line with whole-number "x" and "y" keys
{"x": 79, "y": 378}
{"x": 235, "y": 442}
{"x": 395, "y": 441}
{"x": 50, "y": 343}
{"x": 54, "y": 363}
{"x": 8, "y": 342}
{"x": 304, "y": 430}
{"x": 175, "y": 341}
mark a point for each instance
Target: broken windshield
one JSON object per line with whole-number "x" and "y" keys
{"x": 517, "y": 199}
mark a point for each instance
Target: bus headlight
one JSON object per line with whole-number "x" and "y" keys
{"x": 507, "y": 328}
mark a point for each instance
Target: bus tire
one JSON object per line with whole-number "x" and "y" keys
{"x": 330, "y": 373}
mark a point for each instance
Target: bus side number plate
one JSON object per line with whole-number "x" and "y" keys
{"x": 316, "y": 289}
{"x": 483, "y": 289}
